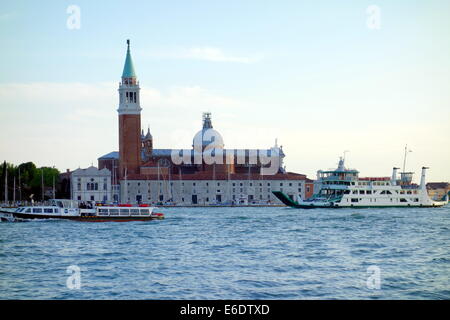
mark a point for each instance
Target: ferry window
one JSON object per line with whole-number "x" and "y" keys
{"x": 145, "y": 211}
{"x": 369, "y": 191}
{"x": 37, "y": 210}
{"x": 355, "y": 191}
{"x": 48, "y": 210}
{"x": 403, "y": 200}
{"x": 134, "y": 211}
{"x": 56, "y": 210}
{"x": 347, "y": 192}
{"x": 416, "y": 199}
{"x": 409, "y": 192}
{"x": 355, "y": 200}
{"x": 388, "y": 192}
{"x": 124, "y": 212}
{"x": 362, "y": 192}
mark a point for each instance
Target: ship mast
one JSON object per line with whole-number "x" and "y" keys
{"x": 404, "y": 158}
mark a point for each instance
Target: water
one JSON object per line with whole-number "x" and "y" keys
{"x": 233, "y": 253}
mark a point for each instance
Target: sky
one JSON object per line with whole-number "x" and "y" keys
{"x": 321, "y": 77}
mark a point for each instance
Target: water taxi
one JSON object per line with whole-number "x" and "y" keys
{"x": 71, "y": 210}
{"x": 343, "y": 188}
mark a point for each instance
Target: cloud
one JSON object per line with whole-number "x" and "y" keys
{"x": 72, "y": 124}
{"x": 204, "y": 53}
{"x": 6, "y": 16}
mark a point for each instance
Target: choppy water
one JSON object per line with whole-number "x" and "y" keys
{"x": 233, "y": 253}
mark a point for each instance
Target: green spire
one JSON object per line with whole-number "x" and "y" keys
{"x": 128, "y": 68}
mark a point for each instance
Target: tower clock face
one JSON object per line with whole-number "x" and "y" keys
{"x": 164, "y": 163}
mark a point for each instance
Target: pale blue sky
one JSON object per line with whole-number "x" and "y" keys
{"x": 311, "y": 74}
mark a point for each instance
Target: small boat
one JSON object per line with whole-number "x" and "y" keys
{"x": 343, "y": 188}
{"x": 69, "y": 210}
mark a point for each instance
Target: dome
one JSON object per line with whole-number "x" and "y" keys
{"x": 207, "y": 139}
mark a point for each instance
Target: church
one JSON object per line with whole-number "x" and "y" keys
{"x": 204, "y": 174}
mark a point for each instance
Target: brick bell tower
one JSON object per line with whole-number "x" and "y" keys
{"x": 129, "y": 120}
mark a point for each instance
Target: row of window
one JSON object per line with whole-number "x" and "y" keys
{"x": 391, "y": 200}
{"x": 290, "y": 184}
{"x": 382, "y": 192}
{"x": 92, "y": 186}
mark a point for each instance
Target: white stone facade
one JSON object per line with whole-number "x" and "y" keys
{"x": 91, "y": 184}
{"x": 209, "y": 192}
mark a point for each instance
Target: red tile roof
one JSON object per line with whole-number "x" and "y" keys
{"x": 220, "y": 176}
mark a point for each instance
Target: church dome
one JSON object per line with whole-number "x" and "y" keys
{"x": 207, "y": 138}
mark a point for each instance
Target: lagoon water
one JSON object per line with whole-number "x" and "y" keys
{"x": 233, "y": 253}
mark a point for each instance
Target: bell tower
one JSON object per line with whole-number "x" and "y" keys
{"x": 129, "y": 120}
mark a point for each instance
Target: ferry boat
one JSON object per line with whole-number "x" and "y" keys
{"x": 70, "y": 210}
{"x": 343, "y": 188}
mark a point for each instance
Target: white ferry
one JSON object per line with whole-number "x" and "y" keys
{"x": 70, "y": 210}
{"x": 342, "y": 188}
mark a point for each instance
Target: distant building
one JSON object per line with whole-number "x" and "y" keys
{"x": 142, "y": 174}
{"x": 437, "y": 190}
{"x": 91, "y": 184}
